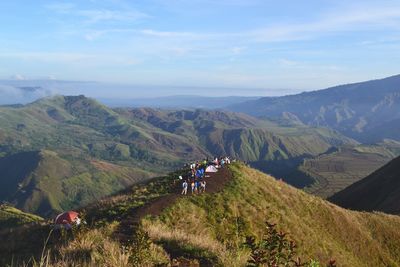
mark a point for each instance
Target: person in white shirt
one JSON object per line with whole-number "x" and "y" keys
{"x": 184, "y": 186}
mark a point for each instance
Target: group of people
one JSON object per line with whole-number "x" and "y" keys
{"x": 221, "y": 161}
{"x": 196, "y": 185}
{"x": 197, "y": 173}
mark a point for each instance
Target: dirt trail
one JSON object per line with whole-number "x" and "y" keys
{"x": 215, "y": 183}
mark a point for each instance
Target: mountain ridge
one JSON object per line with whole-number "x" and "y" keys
{"x": 365, "y": 111}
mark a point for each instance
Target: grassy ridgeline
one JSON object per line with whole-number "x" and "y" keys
{"x": 212, "y": 227}
{"x": 11, "y": 217}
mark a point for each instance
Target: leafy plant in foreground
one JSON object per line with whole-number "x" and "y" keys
{"x": 141, "y": 247}
{"x": 275, "y": 249}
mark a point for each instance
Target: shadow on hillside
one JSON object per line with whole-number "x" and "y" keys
{"x": 189, "y": 253}
{"x": 285, "y": 169}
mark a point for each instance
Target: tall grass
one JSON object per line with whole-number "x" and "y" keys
{"x": 92, "y": 248}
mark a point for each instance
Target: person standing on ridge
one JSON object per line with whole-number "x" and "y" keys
{"x": 192, "y": 187}
{"x": 222, "y": 163}
{"x": 203, "y": 186}
{"x": 185, "y": 186}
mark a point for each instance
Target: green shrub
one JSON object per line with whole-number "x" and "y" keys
{"x": 141, "y": 248}
{"x": 276, "y": 249}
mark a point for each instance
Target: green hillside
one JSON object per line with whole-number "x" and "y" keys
{"x": 239, "y": 135}
{"x": 211, "y": 228}
{"x": 62, "y": 152}
{"x": 55, "y": 184}
{"x": 215, "y": 225}
{"x": 12, "y": 217}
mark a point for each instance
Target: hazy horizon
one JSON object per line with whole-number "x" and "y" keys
{"x": 23, "y": 91}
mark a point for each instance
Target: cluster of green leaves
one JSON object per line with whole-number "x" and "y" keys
{"x": 275, "y": 249}
{"x": 141, "y": 246}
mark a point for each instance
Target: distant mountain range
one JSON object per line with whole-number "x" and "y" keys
{"x": 379, "y": 191}
{"x": 64, "y": 151}
{"x": 366, "y": 111}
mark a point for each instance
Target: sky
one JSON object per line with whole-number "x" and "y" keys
{"x": 255, "y": 47}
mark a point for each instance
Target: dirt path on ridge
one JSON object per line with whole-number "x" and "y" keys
{"x": 215, "y": 183}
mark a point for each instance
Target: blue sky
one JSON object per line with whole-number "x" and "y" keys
{"x": 296, "y": 45}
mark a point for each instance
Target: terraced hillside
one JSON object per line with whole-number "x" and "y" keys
{"x": 335, "y": 171}
{"x": 379, "y": 191}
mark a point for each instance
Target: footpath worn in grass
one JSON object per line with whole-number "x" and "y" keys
{"x": 212, "y": 227}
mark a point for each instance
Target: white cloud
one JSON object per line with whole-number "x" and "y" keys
{"x": 93, "y": 16}
{"x": 93, "y": 35}
{"x": 237, "y": 50}
{"x": 180, "y": 51}
{"x": 18, "y": 77}
{"x": 345, "y": 19}
{"x": 72, "y": 58}
{"x": 9, "y": 91}
{"x": 355, "y": 19}
{"x": 170, "y": 34}
{"x": 13, "y": 94}
{"x": 288, "y": 63}
{"x": 63, "y": 8}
